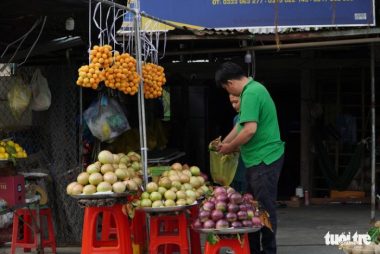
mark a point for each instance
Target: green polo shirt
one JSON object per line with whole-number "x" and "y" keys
{"x": 257, "y": 106}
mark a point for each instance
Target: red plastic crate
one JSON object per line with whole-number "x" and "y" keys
{"x": 12, "y": 189}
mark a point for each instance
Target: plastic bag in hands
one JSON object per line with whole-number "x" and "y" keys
{"x": 222, "y": 167}
{"x": 19, "y": 96}
{"x": 106, "y": 119}
{"x": 41, "y": 93}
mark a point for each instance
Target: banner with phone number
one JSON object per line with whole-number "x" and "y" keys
{"x": 239, "y": 14}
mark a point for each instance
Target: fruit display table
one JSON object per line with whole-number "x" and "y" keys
{"x": 100, "y": 199}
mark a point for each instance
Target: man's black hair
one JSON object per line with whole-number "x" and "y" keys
{"x": 228, "y": 71}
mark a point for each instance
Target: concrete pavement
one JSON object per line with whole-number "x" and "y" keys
{"x": 302, "y": 230}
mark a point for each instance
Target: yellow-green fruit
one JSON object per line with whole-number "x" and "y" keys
{"x": 89, "y": 189}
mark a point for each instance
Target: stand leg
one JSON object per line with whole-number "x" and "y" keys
{"x": 40, "y": 249}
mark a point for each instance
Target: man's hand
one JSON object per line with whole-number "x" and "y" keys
{"x": 249, "y": 129}
{"x": 225, "y": 148}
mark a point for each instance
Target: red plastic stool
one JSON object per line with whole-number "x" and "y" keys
{"x": 195, "y": 238}
{"x": 29, "y": 239}
{"x": 122, "y": 242}
{"x": 139, "y": 229}
{"x": 108, "y": 226}
{"x": 231, "y": 243}
{"x": 162, "y": 233}
{"x": 169, "y": 227}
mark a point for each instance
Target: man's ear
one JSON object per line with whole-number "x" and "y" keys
{"x": 225, "y": 86}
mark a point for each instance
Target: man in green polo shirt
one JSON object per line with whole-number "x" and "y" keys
{"x": 257, "y": 135}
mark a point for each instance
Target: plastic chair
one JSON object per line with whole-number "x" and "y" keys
{"x": 29, "y": 239}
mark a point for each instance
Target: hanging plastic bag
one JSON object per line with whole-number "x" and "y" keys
{"x": 222, "y": 167}
{"x": 19, "y": 96}
{"x": 40, "y": 91}
{"x": 106, "y": 119}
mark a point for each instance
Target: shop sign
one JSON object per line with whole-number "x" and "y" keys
{"x": 239, "y": 14}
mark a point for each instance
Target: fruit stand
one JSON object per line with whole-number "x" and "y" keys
{"x": 170, "y": 204}
{"x": 115, "y": 177}
{"x": 176, "y": 198}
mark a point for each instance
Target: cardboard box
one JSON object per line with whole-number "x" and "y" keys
{"x": 347, "y": 194}
{"x": 294, "y": 203}
{"x": 12, "y": 189}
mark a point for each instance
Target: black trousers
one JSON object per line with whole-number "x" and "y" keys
{"x": 262, "y": 184}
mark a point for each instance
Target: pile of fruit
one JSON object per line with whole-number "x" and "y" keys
{"x": 227, "y": 208}
{"x": 154, "y": 79}
{"x": 10, "y": 149}
{"x": 101, "y": 55}
{"x": 90, "y": 76}
{"x": 111, "y": 173}
{"x": 118, "y": 71}
{"x": 181, "y": 185}
{"x": 122, "y": 75}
